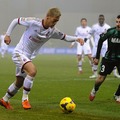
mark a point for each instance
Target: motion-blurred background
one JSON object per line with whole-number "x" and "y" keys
{"x": 72, "y": 12}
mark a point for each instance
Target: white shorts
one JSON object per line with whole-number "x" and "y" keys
{"x": 84, "y": 49}
{"x": 4, "y": 46}
{"x": 20, "y": 60}
{"x": 102, "y": 53}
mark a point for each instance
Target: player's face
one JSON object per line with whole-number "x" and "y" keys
{"x": 52, "y": 21}
{"x": 118, "y": 24}
{"x": 83, "y": 23}
{"x": 101, "y": 20}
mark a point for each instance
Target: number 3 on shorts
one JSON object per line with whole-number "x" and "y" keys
{"x": 102, "y": 68}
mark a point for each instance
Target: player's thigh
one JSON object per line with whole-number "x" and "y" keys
{"x": 79, "y": 50}
{"x": 87, "y": 50}
{"x": 103, "y": 51}
{"x": 20, "y": 60}
{"x": 106, "y": 67}
{"x": 30, "y": 68}
{"x": 94, "y": 50}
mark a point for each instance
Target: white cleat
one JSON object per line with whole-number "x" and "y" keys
{"x": 93, "y": 76}
{"x": 118, "y": 99}
{"x": 117, "y": 76}
{"x": 115, "y": 97}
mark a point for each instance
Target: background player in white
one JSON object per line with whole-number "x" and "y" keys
{"x": 36, "y": 34}
{"x": 97, "y": 29}
{"x": 4, "y": 46}
{"x": 83, "y": 32}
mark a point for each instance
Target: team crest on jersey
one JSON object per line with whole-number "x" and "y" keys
{"x": 24, "y": 60}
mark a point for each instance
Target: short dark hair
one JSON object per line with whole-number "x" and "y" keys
{"x": 83, "y": 19}
{"x": 101, "y": 15}
{"x": 118, "y": 16}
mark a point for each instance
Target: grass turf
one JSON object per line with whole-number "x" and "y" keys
{"x": 57, "y": 78}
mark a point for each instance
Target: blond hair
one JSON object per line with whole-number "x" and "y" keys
{"x": 54, "y": 12}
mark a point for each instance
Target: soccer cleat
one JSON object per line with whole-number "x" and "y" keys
{"x": 92, "y": 95}
{"x": 116, "y": 75}
{"x": 115, "y": 97}
{"x": 118, "y": 99}
{"x": 26, "y": 105}
{"x": 93, "y": 76}
{"x": 5, "y": 104}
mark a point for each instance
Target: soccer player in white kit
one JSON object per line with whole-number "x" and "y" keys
{"x": 97, "y": 29}
{"x": 4, "y": 46}
{"x": 83, "y": 32}
{"x": 38, "y": 31}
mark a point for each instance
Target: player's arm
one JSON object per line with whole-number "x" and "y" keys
{"x": 69, "y": 38}
{"x": 59, "y": 35}
{"x": 103, "y": 37}
{"x": 7, "y": 38}
{"x": 72, "y": 44}
{"x": 17, "y": 21}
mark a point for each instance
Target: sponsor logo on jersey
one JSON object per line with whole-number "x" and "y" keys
{"x": 115, "y": 40}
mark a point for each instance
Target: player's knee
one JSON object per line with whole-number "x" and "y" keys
{"x": 101, "y": 78}
{"x": 32, "y": 72}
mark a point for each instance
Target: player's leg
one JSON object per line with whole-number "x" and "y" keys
{"x": 99, "y": 80}
{"x": 90, "y": 61}
{"x": 105, "y": 68}
{"x": 79, "y": 59}
{"x": 12, "y": 90}
{"x": 83, "y": 60}
{"x": 31, "y": 71}
{"x": 115, "y": 72}
{"x": 87, "y": 51}
{"x": 2, "y": 52}
{"x": 117, "y": 93}
{"x": 94, "y": 67}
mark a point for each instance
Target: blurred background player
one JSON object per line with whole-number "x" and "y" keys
{"x": 4, "y": 46}
{"x": 38, "y": 31}
{"x": 83, "y": 32}
{"x": 110, "y": 60}
{"x": 97, "y": 29}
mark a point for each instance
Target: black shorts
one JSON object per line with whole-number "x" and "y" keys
{"x": 107, "y": 66}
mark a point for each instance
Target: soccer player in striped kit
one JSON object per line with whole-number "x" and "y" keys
{"x": 38, "y": 31}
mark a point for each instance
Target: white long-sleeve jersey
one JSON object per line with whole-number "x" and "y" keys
{"x": 35, "y": 35}
{"x": 97, "y": 30}
{"x": 83, "y": 33}
{"x": 3, "y": 44}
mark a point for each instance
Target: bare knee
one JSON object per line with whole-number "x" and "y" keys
{"x": 32, "y": 72}
{"x": 100, "y": 78}
{"x": 30, "y": 69}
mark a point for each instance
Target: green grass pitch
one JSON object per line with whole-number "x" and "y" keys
{"x": 57, "y": 78}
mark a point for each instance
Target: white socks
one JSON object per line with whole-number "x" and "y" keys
{"x": 80, "y": 65}
{"x": 95, "y": 69}
{"x": 12, "y": 90}
{"x": 27, "y": 85}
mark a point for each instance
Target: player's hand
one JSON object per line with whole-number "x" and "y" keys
{"x": 96, "y": 61}
{"x": 81, "y": 41}
{"x": 7, "y": 39}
